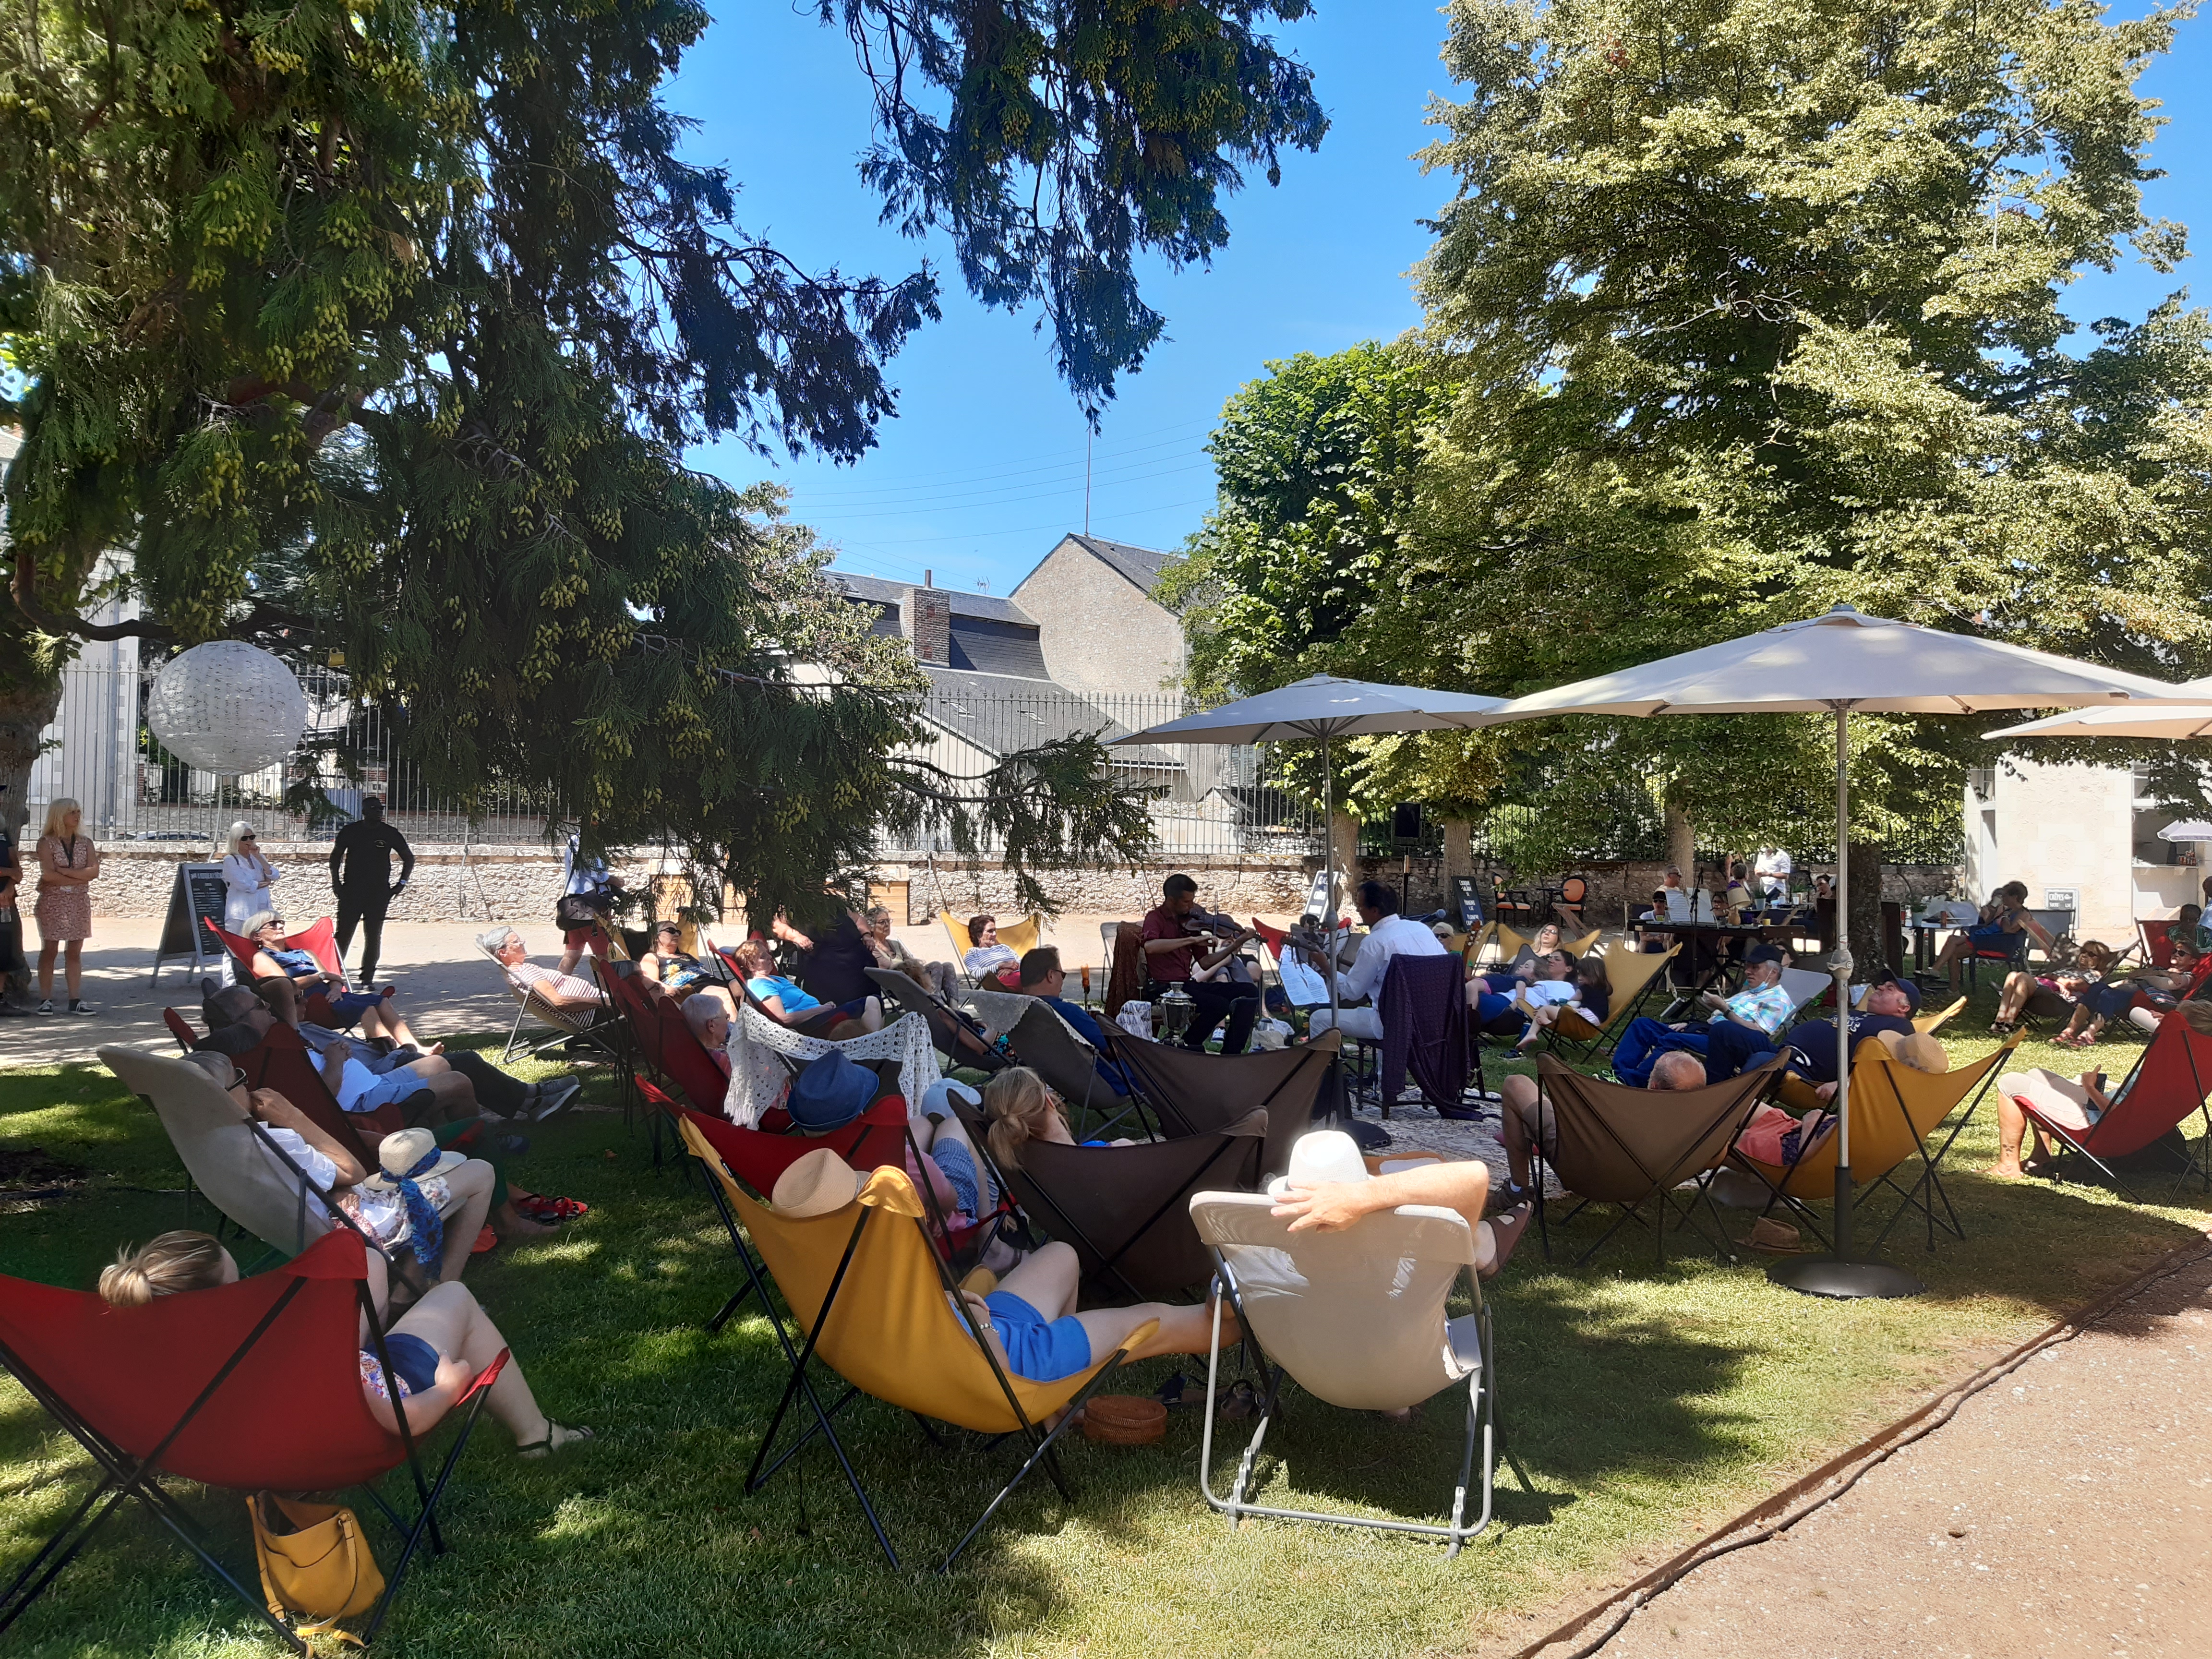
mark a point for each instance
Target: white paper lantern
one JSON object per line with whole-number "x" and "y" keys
{"x": 228, "y": 708}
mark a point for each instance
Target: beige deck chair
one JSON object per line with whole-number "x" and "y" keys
{"x": 1631, "y": 973}
{"x": 1510, "y": 942}
{"x": 229, "y": 1156}
{"x": 1356, "y": 1318}
{"x": 1019, "y": 937}
{"x": 1929, "y": 1024}
{"x": 599, "y": 1024}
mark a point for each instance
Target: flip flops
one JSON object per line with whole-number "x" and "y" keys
{"x": 544, "y": 1208}
{"x": 487, "y": 1241}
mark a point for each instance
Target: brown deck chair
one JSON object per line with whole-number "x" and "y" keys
{"x": 1127, "y": 1209}
{"x": 951, "y": 1032}
{"x": 1043, "y": 1041}
{"x": 1125, "y": 973}
{"x": 1195, "y": 1093}
{"x": 1615, "y": 1144}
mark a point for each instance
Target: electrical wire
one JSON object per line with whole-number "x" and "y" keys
{"x": 1853, "y": 1466}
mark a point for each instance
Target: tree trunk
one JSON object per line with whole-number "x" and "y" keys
{"x": 1344, "y": 838}
{"x": 1681, "y": 843}
{"x": 1459, "y": 852}
{"x": 1868, "y": 952}
{"x": 27, "y": 710}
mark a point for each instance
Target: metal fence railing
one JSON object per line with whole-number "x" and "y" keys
{"x": 1218, "y": 799}
{"x": 100, "y": 752}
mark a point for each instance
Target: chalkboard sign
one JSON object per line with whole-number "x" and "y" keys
{"x": 196, "y": 899}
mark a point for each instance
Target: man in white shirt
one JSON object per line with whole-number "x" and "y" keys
{"x": 1772, "y": 869}
{"x": 1388, "y": 934}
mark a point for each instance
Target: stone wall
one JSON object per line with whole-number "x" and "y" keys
{"x": 1239, "y": 886}
{"x": 482, "y": 883}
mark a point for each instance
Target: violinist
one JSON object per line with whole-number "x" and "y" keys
{"x": 1183, "y": 946}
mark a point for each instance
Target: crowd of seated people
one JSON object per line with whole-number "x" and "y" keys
{"x": 940, "y": 979}
{"x": 1390, "y": 936}
{"x": 783, "y": 1001}
{"x": 1741, "y": 1026}
{"x": 2002, "y": 920}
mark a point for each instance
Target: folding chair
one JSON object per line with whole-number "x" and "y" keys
{"x": 251, "y": 1385}
{"x": 1612, "y": 1144}
{"x": 282, "y": 1061}
{"x": 1044, "y": 1042}
{"x": 180, "y": 1027}
{"x": 1632, "y": 974}
{"x": 1895, "y": 1111}
{"x": 1440, "y": 1063}
{"x": 955, "y": 1036}
{"x": 1356, "y": 1318}
{"x": 2157, "y": 937}
{"x": 1126, "y": 1209}
{"x": 1929, "y": 1024}
{"x": 1019, "y": 937}
{"x": 1194, "y": 1093}
{"x": 318, "y": 941}
{"x": 1809, "y": 990}
{"x": 880, "y": 1308}
{"x": 2170, "y": 1080}
{"x": 593, "y": 1025}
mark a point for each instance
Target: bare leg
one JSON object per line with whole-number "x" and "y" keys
{"x": 386, "y": 1020}
{"x": 1517, "y": 1100}
{"x": 2012, "y": 1128}
{"x": 570, "y": 957}
{"x": 1047, "y": 1280}
{"x": 451, "y": 1321}
{"x": 1539, "y": 1022}
{"x": 2018, "y": 987}
{"x": 472, "y": 1183}
{"x": 73, "y": 966}
{"x": 46, "y": 953}
{"x": 283, "y": 999}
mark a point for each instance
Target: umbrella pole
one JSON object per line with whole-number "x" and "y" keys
{"x": 1329, "y": 887}
{"x": 1838, "y": 1275}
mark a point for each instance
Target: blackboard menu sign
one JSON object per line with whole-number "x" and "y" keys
{"x": 196, "y": 899}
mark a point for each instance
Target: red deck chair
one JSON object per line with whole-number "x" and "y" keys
{"x": 685, "y": 1062}
{"x": 2157, "y": 941}
{"x": 285, "y": 1063}
{"x": 2171, "y": 1079}
{"x": 179, "y": 1028}
{"x": 252, "y": 1385}
{"x": 320, "y": 941}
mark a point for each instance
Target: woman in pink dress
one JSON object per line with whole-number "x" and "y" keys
{"x": 68, "y": 863}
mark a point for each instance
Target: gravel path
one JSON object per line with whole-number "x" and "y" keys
{"x": 2067, "y": 1510}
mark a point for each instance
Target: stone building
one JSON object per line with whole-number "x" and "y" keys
{"x": 2084, "y": 837}
{"x": 1099, "y": 628}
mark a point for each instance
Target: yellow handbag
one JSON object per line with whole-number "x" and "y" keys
{"x": 313, "y": 1558}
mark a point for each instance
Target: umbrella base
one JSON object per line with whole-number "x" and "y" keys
{"x": 1825, "y": 1275}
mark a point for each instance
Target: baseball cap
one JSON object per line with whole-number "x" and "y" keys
{"x": 1912, "y": 991}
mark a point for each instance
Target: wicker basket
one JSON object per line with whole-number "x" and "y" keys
{"x": 1124, "y": 1420}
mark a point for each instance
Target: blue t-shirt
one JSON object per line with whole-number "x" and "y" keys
{"x": 794, "y": 1001}
{"x": 296, "y": 962}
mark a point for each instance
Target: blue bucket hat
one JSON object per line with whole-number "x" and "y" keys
{"x": 829, "y": 1093}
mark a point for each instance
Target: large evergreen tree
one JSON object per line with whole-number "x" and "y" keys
{"x": 382, "y": 325}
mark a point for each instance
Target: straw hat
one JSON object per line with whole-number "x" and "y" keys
{"x": 400, "y": 1152}
{"x": 1319, "y": 1157}
{"x": 1922, "y": 1052}
{"x": 820, "y": 1183}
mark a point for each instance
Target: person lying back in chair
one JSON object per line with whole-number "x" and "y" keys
{"x": 1329, "y": 1189}
{"x": 285, "y": 979}
{"x": 1809, "y": 1077}
{"x": 795, "y": 1008}
{"x": 437, "y": 1348}
{"x": 555, "y": 988}
{"x": 1522, "y": 1119}
{"x": 1044, "y": 978}
{"x": 1742, "y": 1026}
{"x": 2069, "y": 1104}
{"x": 1029, "y": 1322}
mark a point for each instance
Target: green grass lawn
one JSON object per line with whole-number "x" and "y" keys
{"x": 1643, "y": 1404}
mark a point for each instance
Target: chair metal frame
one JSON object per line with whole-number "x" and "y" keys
{"x": 1481, "y": 1421}
{"x": 123, "y": 1476}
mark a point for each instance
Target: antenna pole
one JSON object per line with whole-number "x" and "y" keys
{"x": 1086, "y": 479}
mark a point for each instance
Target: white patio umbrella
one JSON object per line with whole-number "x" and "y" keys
{"x": 1834, "y": 664}
{"x": 1320, "y": 709}
{"x": 2183, "y": 721}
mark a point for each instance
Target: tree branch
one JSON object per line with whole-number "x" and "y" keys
{"x": 62, "y": 625}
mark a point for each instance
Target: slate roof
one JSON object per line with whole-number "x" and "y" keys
{"x": 992, "y": 712}
{"x": 988, "y": 607}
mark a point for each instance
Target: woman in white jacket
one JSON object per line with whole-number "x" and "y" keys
{"x": 249, "y": 876}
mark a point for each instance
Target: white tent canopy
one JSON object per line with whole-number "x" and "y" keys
{"x": 1837, "y": 663}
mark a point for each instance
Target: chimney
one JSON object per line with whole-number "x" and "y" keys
{"x": 926, "y": 618}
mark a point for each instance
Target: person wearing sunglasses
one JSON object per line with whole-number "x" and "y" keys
{"x": 248, "y": 878}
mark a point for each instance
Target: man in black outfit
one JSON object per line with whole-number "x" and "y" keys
{"x": 361, "y": 875}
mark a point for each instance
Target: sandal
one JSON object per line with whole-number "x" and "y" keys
{"x": 487, "y": 1241}
{"x": 575, "y": 1435}
{"x": 544, "y": 1208}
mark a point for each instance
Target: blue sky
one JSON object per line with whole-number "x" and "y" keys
{"x": 983, "y": 468}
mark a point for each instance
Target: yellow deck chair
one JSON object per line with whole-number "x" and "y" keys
{"x": 1632, "y": 973}
{"x": 876, "y": 1304}
{"x": 1929, "y": 1024}
{"x": 1894, "y": 1111}
{"x": 1019, "y": 937}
